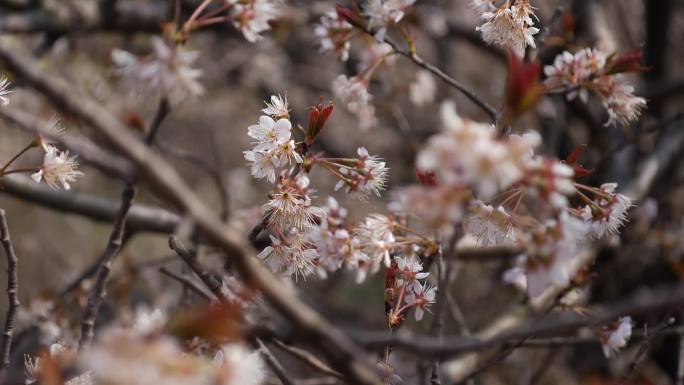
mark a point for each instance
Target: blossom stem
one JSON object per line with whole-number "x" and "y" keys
{"x": 19, "y": 170}
{"x": 188, "y": 24}
{"x": 210, "y": 21}
{"x": 15, "y": 157}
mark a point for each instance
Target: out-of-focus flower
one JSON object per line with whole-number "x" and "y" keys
{"x": 58, "y": 353}
{"x": 382, "y": 14}
{"x": 422, "y": 90}
{"x": 467, "y": 153}
{"x": 549, "y": 180}
{"x": 615, "y": 337}
{"x": 509, "y": 26}
{"x": 334, "y": 33}
{"x": 278, "y": 107}
{"x": 491, "y": 227}
{"x": 377, "y": 238}
{"x": 387, "y": 374}
{"x": 439, "y": 208}
{"x": 552, "y": 251}
{"x": 120, "y": 358}
{"x": 251, "y": 365}
{"x": 591, "y": 70}
{"x": 252, "y": 17}
{"x": 51, "y": 132}
{"x": 57, "y": 168}
{"x": 5, "y": 85}
{"x": 167, "y": 70}
{"x": 353, "y": 92}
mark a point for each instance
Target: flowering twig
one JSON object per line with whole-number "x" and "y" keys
{"x": 343, "y": 353}
{"x": 12, "y": 296}
{"x": 419, "y": 61}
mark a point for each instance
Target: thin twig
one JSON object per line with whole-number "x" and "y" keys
{"x": 113, "y": 247}
{"x": 186, "y": 282}
{"x": 115, "y": 242}
{"x": 419, "y": 61}
{"x": 12, "y": 293}
{"x": 308, "y": 358}
{"x": 213, "y": 283}
{"x": 273, "y": 363}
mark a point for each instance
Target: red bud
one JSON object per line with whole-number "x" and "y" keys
{"x": 523, "y": 88}
{"x": 629, "y": 61}
{"x": 318, "y": 116}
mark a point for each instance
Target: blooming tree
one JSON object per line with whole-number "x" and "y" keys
{"x": 483, "y": 221}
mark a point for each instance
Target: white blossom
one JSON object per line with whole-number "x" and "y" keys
{"x": 334, "y": 33}
{"x": 57, "y": 168}
{"x": 491, "y": 227}
{"x": 382, "y": 14}
{"x": 422, "y": 90}
{"x": 278, "y": 107}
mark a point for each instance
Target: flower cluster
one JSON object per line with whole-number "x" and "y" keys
{"x": 167, "y": 70}
{"x": 591, "y": 70}
{"x": 510, "y": 25}
{"x": 353, "y": 93}
{"x": 404, "y": 290}
{"x": 335, "y": 34}
{"x": 274, "y": 148}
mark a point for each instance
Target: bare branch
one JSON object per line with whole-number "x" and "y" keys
{"x": 140, "y": 219}
{"x": 12, "y": 293}
{"x": 307, "y": 358}
{"x": 187, "y": 282}
{"x": 273, "y": 363}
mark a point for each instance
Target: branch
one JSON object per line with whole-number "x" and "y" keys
{"x": 12, "y": 295}
{"x": 98, "y": 293}
{"x": 116, "y": 239}
{"x": 140, "y": 219}
{"x": 348, "y": 358}
{"x": 307, "y": 358}
{"x": 186, "y": 282}
{"x": 643, "y": 303}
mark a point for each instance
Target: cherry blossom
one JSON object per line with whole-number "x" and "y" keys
{"x": 58, "y": 168}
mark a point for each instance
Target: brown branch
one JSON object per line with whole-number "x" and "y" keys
{"x": 140, "y": 219}
{"x": 186, "y": 282}
{"x": 308, "y": 358}
{"x": 273, "y": 363}
{"x": 346, "y": 356}
{"x": 12, "y": 293}
{"x": 115, "y": 240}
{"x": 642, "y": 303}
{"x": 113, "y": 247}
